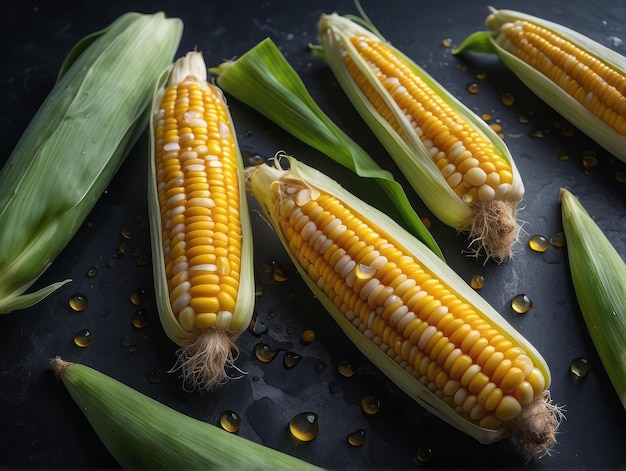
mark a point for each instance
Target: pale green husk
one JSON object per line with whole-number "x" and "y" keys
{"x": 408, "y": 151}
{"x": 74, "y": 145}
{"x": 542, "y": 86}
{"x": 599, "y": 277}
{"x": 261, "y": 180}
{"x": 263, "y": 79}
{"x": 204, "y": 353}
{"x": 142, "y": 433}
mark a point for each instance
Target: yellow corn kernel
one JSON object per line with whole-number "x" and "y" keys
{"x": 200, "y": 222}
{"x": 409, "y": 327}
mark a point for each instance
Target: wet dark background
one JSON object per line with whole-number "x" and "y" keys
{"x": 43, "y": 428}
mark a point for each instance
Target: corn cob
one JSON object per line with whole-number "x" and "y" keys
{"x": 200, "y": 226}
{"x": 580, "y": 78}
{"x": 454, "y": 161}
{"x": 74, "y": 144}
{"x": 599, "y": 277}
{"x": 422, "y": 325}
{"x": 142, "y": 433}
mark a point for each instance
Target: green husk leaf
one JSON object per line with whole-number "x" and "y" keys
{"x": 75, "y": 143}
{"x": 544, "y": 87}
{"x": 264, "y": 80}
{"x": 599, "y": 276}
{"x": 142, "y": 433}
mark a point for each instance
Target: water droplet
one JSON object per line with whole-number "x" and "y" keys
{"x": 538, "y": 243}
{"x": 507, "y": 99}
{"x": 523, "y": 119}
{"x": 277, "y": 273}
{"x": 127, "y": 233}
{"x": 256, "y": 327}
{"x": 558, "y": 239}
{"x": 590, "y": 162}
{"x": 620, "y": 176}
{"x": 424, "y": 454}
{"x": 427, "y": 223}
{"x": 580, "y": 367}
{"x": 308, "y": 336}
{"x": 78, "y": 302}
{"x": 473, "y": 88}
{"x": 111, "y": 262}
{"x": 345, "y": 369}
{"x": 83, "y": 338}
{"x": 153, "y": 377}
{"x": 536, "y": 134}
{"x": 481, "y": 75}
{"x": 357, "y": 438}
{"x": 370, "y": 405}
{"x": 320, "y": 366}
{"x": 92, "y": 272}
{"x": 133, "y": 348}
{"x": 291, "y": 359}
{"x": 140, "y": 318}
{"x": 304, "y": 426}
{"x": 497, "y": 127}
{"x": 125, "y": 342}
{"x": 230, "y": 421}
{"x": 364, "y": 272}
{"x": 121, "y": 250}
{"x": 271, "y": 312}
{"x": 136, "y": 297}
{"x": 477, "y": 281}
{"x": 264, "y": 353}
{"x": 563, "y": 157}
{"x": 521, "y": 303}
{"x": 446, "y": 42}
{"x": 143, "y": 260}
{"x": 487, "y": 116}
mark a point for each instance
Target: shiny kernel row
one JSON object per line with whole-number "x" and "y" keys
{"x": 599, "y": 88}
{"x": 468, "y": 162}
{"x": 198, "y": 196}
{"x": 410, "y": 315}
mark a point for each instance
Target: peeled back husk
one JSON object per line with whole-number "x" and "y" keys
{"x": 74, "y": 144}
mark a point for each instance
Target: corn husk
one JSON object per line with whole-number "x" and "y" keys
{"x": 264, "y": 80}
{"x": 142, "y": 433}
{"x": 542, "y": 86}
{"x": 599, "y": 277}
{"x": 263, "y": 180}
{"x": 74, "y": 145}
{"x": 492, "y": 227}
{"x": 204, "y": 354}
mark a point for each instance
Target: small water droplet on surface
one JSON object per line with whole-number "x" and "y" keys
{"x": 477, "y": 281}
{"x": 308, "y": 336}
{"x": 92, "y": 272}
{"x": 136, "y": 297}
{"x": 78, "y": 302}
{"x": 153, "y": 377}
{"x": 507, "y": 99}
{"x": 521, "y": 303}
{"x": 345, "y": 369}
{"x": 538, "y": 243}
{"x": 230, "y": 421}
{"x": 140, "y": 318}
{"x": 473, "y": 88}
{"x": 291, "y": 359}
{"x": 264, "y": 352}
{"x": 357, "y": 438}
{"x": 370, "y": 405}
{"x": 83, "y": 338}
{"x": 558, "y": 239}
{"x": 424, "y": 454}
{"x": 304, "y": 426}
{"x": 579, "y": 367}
